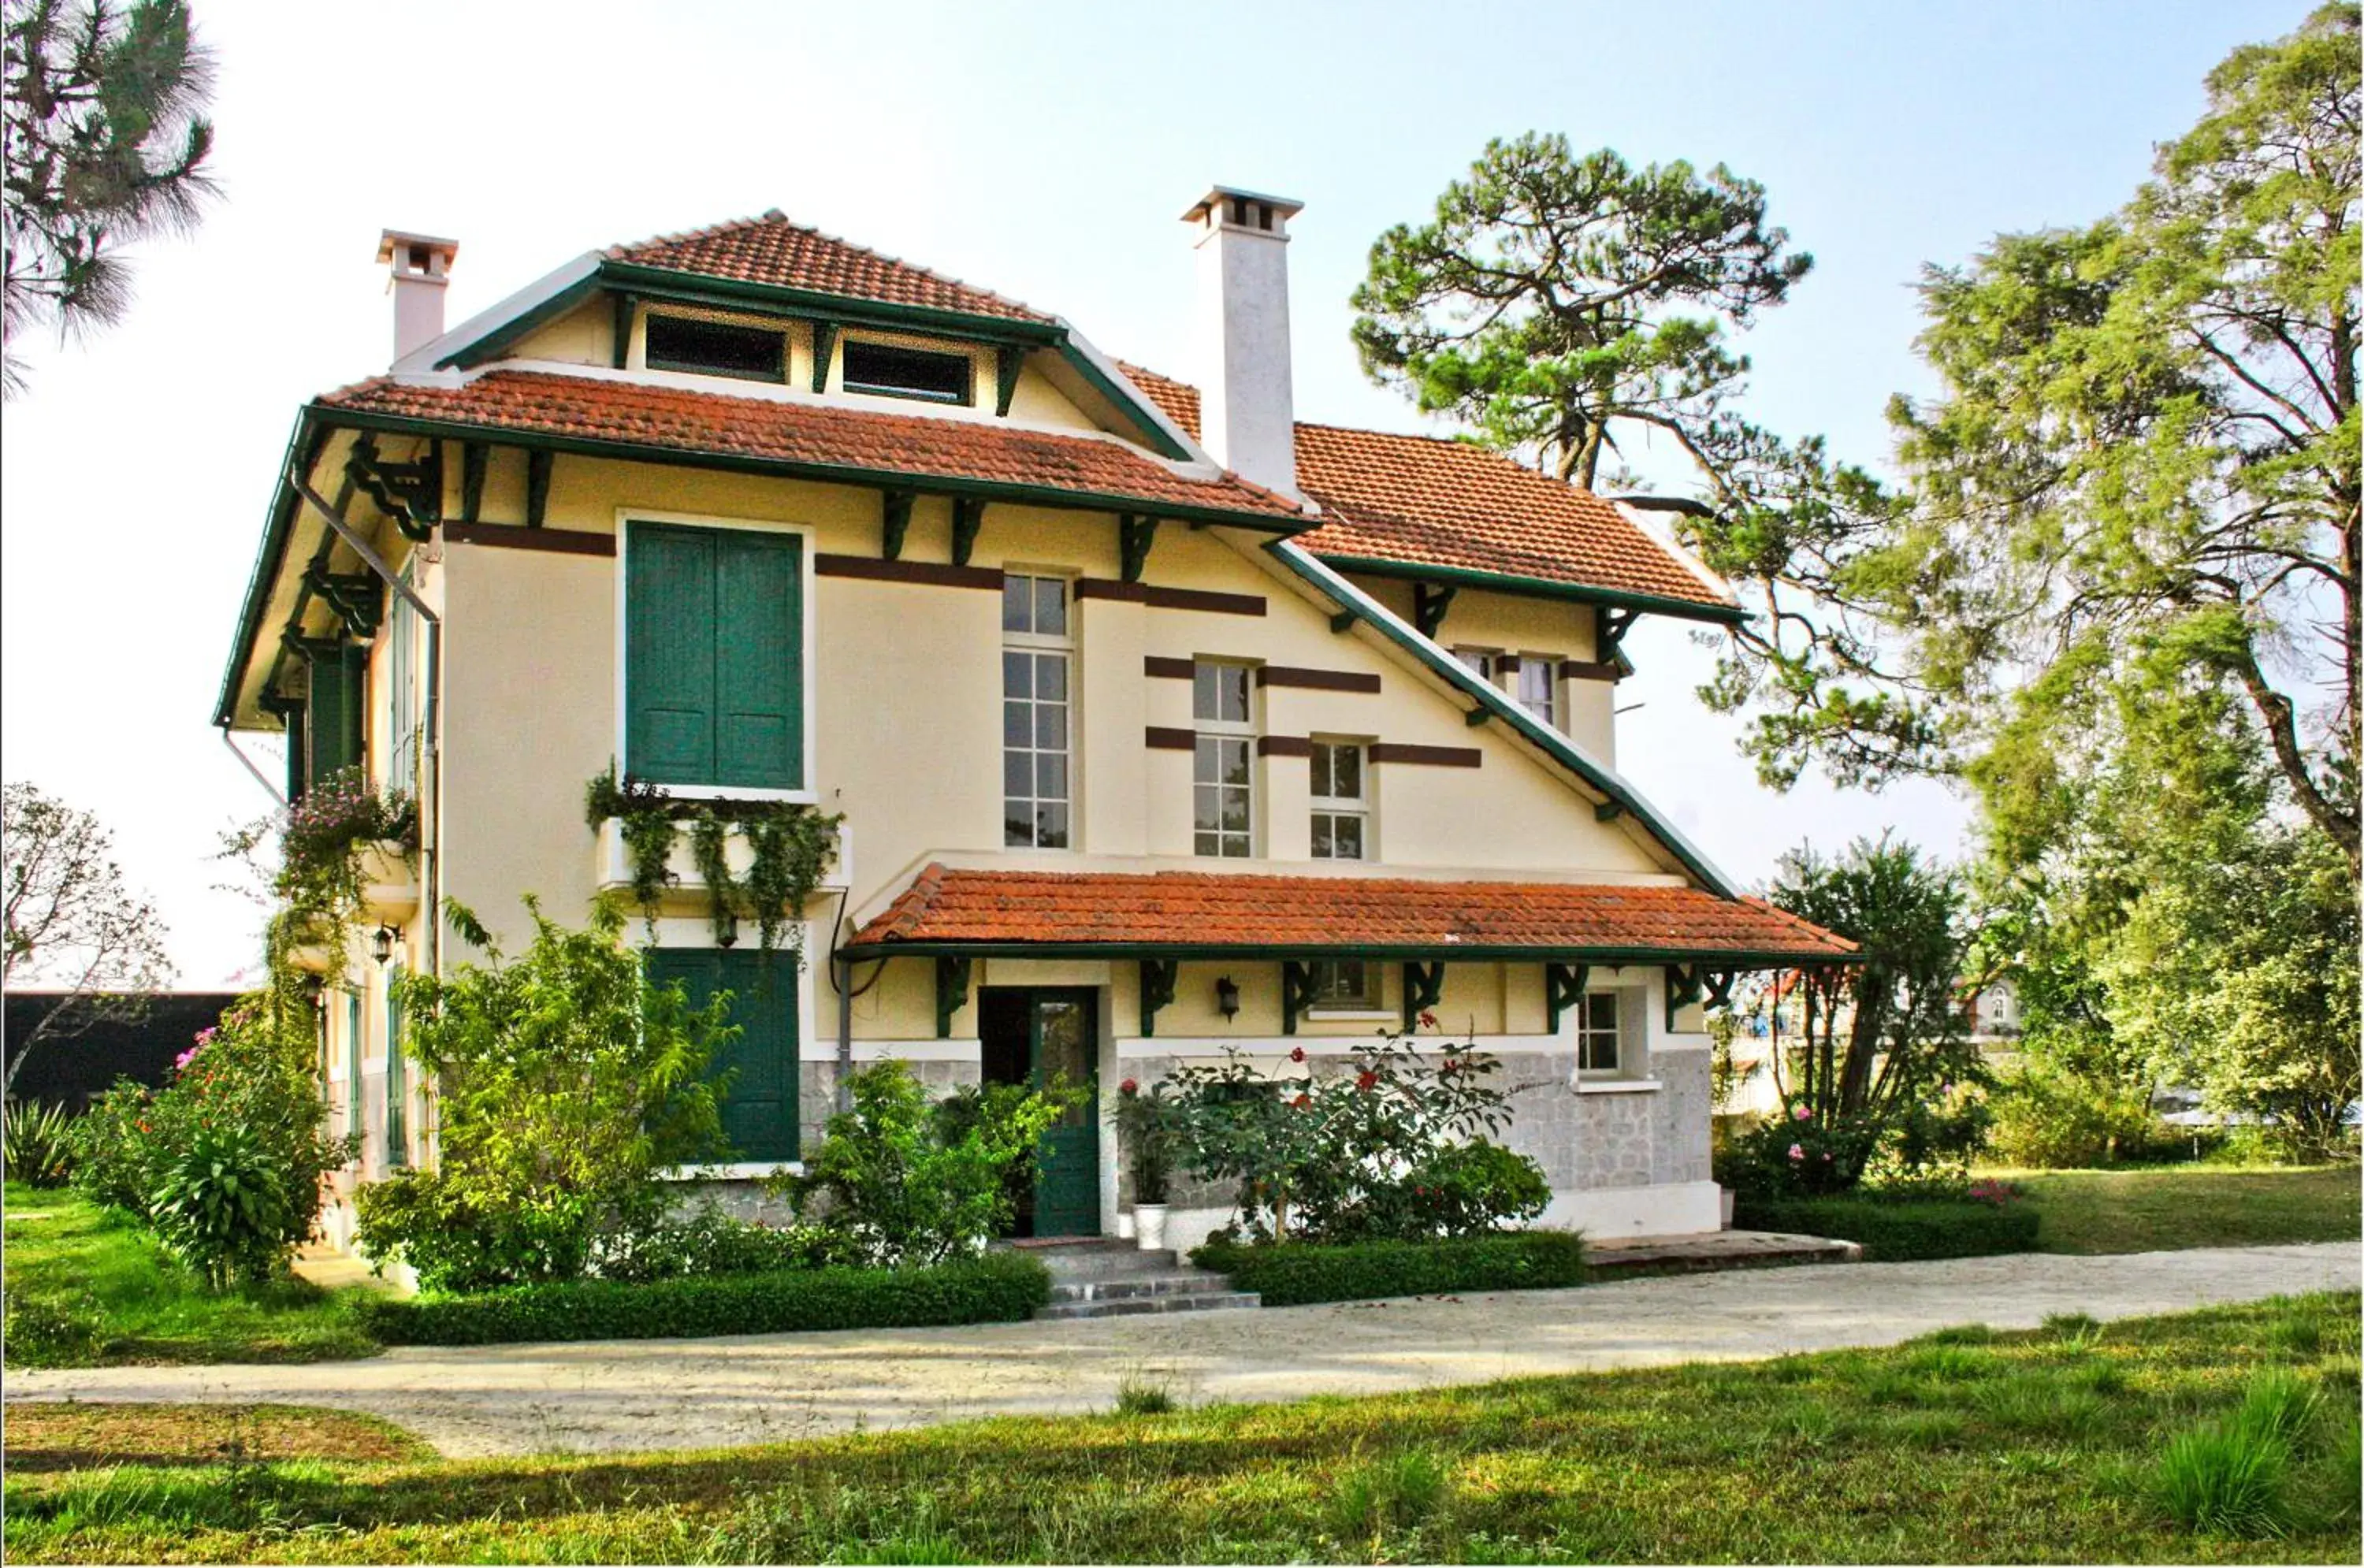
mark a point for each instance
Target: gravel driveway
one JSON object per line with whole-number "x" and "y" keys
{"x": 640, "y": 1394}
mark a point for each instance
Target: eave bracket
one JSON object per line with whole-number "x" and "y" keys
{"x": 951, "y": 993}
{"x": 1424, "y": 983}
{"x": 1157, "y": 977}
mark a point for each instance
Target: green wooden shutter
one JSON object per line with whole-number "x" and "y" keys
{"x": 669, "y": 654}
{"x": 299, "y": 756}
{"x": 713, "y": 657}
{"x": 397, "y": 1083}
{"x": 759, "y": 696}
{"x": 353, "y": 1062}
{"x": 759, "y": 1109}
{"x": 333, "y": 724}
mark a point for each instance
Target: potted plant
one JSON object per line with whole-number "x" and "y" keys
{"x": 1145, "y": 1126}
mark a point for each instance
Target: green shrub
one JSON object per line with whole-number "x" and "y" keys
{"x": 997, "y": 1288}
{"x": 708, "y": 1242}
{"x": 2046, "y": 1117}
{"x": 1473, "y": 1188}
{"x": 34, "y": 1144}
{"x": 569, "y": 1085}
{"x": 1898, "y": 1230}
{"x": 2225, "y": 1478}
{"x": 900, "y": 1181}
{"x": 1297, "y": 1272}
{"x": 223, "y": 1207}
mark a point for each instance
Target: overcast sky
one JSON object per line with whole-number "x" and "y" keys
{"x": 1045, "y": 151}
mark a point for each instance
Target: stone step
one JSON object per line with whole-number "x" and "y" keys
{"x": 1190, "y": 1282}
{"x": 1134, "y": 1305}
{"x": 1110, "y": 1262}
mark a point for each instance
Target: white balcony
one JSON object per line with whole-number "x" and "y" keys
{"x": 614, "y": 873}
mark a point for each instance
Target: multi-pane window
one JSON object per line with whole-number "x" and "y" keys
{"x": 1224, "y": 770}
{"x": 1486, "y": 663}
{"x": 1342, "y": 811}
{"x": 1345, "y": 984}
{"x": 1037, "y": 660}
{"x": 1597, "y": 1033}
{"x": 403, "y": 716}
{"x": 1539, "y": 686}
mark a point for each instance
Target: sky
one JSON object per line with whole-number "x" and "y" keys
{"x": 1042, "y": 150}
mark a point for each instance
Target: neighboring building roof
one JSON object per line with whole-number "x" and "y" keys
{"x": 773, "y": 252}
{"x": 1424, "y": 502}
{"x": 87, "y": 1054}
{"x": 628, "y": 418}
{"x": 1199, "y": 911}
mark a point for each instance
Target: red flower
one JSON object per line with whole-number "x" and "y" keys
{"x": 1428, "y": 1020}
{"x": 1296, "y": 1053}
{"x": 1366, "y": 1080}
{"x": 1302, "y": 1101}
{"x": 1128, "y": 1087}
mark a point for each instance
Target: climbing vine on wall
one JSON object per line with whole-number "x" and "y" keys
{"x": 792, "y": 846}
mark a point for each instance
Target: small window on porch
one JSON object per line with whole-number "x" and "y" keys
{"x": 1598, "y": 1034}
{"x": 1347, "y": 984}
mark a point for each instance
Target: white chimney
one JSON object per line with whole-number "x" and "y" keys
{"x": 419, "y": 270}
{"x": 1247, "y": 418}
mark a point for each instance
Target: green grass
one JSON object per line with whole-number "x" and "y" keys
{"x": 2171, "y": 1207}
{"x": 1975, "y": 1445}
{"x": 85, "y": 1288}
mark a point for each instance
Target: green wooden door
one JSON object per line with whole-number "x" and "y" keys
{"x": 759, "y": 1109}
{"x": 1062, "y": 1043}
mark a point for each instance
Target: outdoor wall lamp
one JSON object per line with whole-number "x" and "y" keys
{"x": 1227, "y": 998}
{"x": 382, "y": 942}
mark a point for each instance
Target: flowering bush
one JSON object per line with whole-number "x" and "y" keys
{"x": 1332, "y": 1156}
{"x": 1796, "y": 1155}
{"x": 320, "y": 842}
{"x": 225, "y": 1160}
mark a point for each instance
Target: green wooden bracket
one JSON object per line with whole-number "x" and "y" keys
{"x": 1608, "y": 811}
{"x": 313, "y": 650}
{"x": 1477, "y": 716}
{"x": 1429, "y": 603}
{"x": 1343, "y": 621}
{"x": 893, "y": 522}
{"x": 1007, "y": 361}
{"x": 1563, "y": 990}
{"x": 1296, "y": 994}
{"x": 1157, "y": 976}
{"x": 1685, "y": 982}
{"x": 1424, "y": 983}
{"x": 357, "y": 597}
{"x": 409, "y": 493}
{"x": 1610, "y": 626}
{"x": 473, "y": 458}
{"x": 1134, "y": 538}
{"x": 968, "y": 516}
{"x": 824, "y": 345}
{"x": 536, "y": 486}
{"x": 626, "y": 304}
{"x": 951, "y": 993}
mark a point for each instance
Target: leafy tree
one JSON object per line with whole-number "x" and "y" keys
{"x": 107, "y": 142}
{"x": 2147, "y": 445}
{"x": 71, "y": 922}
{"x": 1554, "y": 299}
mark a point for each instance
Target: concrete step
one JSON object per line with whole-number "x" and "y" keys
{"x": 1114, "y": 1262}
{"x": 1135, "y": 1306}
{"x": 1122, "y": 1287}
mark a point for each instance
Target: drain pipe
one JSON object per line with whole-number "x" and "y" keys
{"x": 257, "y": 773}
{"x": 431, "y": 851}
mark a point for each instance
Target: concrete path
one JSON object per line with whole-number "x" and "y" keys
{"x": 616, "y": 1395}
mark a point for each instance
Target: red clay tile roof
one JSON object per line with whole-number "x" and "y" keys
{"x": 1199, "y": 909}
{"x": 680, "y": 420}
{"x": 1428, "y": 502}
{"x": 771, "y": 249}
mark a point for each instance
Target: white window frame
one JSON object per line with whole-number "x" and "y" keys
{"x": 625, "y": 516}
{"x": 1627, "y": 1033}
{"x": 1031, "y": 643}
{"x": 1486, "y": 663}
{"x": 1358, "y": 806}
{"x": 1553, "y": 715}
{"x": 1242, "y": 730}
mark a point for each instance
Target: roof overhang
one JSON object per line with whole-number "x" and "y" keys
{"x": 1540, "y": 588}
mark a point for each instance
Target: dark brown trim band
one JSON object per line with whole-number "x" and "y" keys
{"x": 928, "y": 572}
{"x": 1157, "y": 667}
{"x": 509, "y": 536}
{"x": 1507, "y": 664}
{"x": 1316, "y": 680}
{"x": 1578, "y": 670}
{"x": 1170, "y": 598}
{"x": 1283, "y": 746}
{"x": 1428, "y": 756}
{"x": 1158, "y": 739}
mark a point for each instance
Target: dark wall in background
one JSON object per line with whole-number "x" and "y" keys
{"x": 69, "y": 1069}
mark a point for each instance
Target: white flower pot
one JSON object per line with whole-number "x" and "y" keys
{"x": 1149, "y": 1226}
{"x": 1727, "y": 1194}
{"x": 1124, "y": 1225}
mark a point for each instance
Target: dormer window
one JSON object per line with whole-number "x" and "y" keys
{"x": 717, "y": 348}
{"x": 888, "y": 371}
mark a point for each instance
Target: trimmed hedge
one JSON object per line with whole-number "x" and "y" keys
{"x": 1297, "y": 1272}
{"x": 997, "y": 1288}
{"x": 1895, "y": 1231}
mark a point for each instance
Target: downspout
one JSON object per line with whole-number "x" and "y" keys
{"x": 248, "y": 763}
{"x": 431, "y": 851}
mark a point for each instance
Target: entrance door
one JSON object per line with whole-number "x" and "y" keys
{"x": 1035, "y": 1036}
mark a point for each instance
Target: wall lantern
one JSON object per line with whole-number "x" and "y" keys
{"x": 382, "y": 942}
{"x": 1227, "y": 998}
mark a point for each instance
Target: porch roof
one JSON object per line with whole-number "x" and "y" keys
{"x": 954, "y": 912}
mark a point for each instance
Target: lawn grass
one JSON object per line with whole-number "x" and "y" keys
{"x": 1965, "y": 1446}
{"x": 86, "y": 1288}
{"x": 2163, "y": 1207}
{"x": 67, "y": 1435}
